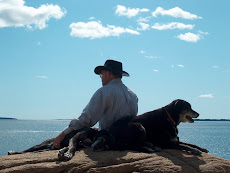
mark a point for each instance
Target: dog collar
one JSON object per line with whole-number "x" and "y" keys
{"x": 170, "y": 117}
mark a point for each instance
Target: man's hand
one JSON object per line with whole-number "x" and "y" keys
{"x": 58, "y": 140}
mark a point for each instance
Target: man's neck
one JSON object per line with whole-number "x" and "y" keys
{"x": 114, "y": 80}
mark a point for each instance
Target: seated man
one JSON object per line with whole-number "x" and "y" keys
{"x": 108, "y": 104}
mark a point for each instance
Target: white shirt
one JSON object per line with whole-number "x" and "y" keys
{"x": 108, "y": 104}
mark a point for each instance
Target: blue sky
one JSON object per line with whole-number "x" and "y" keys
{"x": 172, "y": 49}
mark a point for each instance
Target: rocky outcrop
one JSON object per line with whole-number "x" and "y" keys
{"x": 114, "y": 162}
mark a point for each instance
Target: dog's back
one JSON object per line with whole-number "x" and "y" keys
{"x": 126, "y": 132}
{"x": 159, "y": 130}
{"x": 152, "y": 127}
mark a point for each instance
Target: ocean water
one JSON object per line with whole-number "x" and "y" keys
{"x": 18, "y": 135}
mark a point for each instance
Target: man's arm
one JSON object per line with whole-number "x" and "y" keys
{"x": 89, "y": 117}
{"x": 59, "y": 139}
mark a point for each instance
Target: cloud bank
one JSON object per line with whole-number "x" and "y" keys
{"x": 14, "y": 13}
{"x": 95, "y": 29}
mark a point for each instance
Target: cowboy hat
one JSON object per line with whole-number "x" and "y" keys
{"x": 113, "y": 66}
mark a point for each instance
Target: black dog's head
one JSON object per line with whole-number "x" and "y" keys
{"x": 182, "y": 111}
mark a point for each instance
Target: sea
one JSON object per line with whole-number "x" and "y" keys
{"x": 18, "y": 135}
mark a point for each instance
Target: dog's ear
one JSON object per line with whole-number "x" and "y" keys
{"x": 178, "y": 102}
{"x": 182, "y": 104}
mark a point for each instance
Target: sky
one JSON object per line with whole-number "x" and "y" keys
{"x": 172, "y": 49}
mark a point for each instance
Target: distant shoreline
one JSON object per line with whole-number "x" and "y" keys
{"x": 5, "y": 118}
{"x": 194, "y": 119}
{"x": 212, "y": 119}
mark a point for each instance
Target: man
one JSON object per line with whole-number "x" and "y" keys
{"x": 108, "y": 104}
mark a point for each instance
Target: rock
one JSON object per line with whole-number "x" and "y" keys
{"x": 114, "y": 162}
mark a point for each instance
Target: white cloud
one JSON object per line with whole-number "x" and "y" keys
{"x": 189, "y": 37}
{"x": 95, "y": 29}
{"x": 156, "y": 70}
{"x": 206, "y": 96}
{"x": 43, "y": 77}
{"x": 16, "y": 13}
{"x": 175, "y": 12}
{"x": 215, "y": 66}
{"x": 180, "y": 65}
{"x": 91, "y": 18}
{"x": 152, "y": 57}
{"x": 144, "y": 26}
{"x": 143, "y": 19}
{"x": 204, "y": 33}
{"x": 129, "y": 12}
{"x": 142, "y": 52}
{"x": 173, "y": 25}
{"x": 143, "y": 23}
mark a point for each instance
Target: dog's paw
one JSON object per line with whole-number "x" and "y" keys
{"x": 11, "y": 152}
{"x": 61, "y": 153}
{"x": 156, "y": 149}
{"x": 196, "y": 152}
{"x": 68, "y": 156}
{"x": 150, "y": 150}
{"x": 204, "y": 150}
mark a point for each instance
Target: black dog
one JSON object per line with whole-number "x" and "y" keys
{"x": 73, "y": 141}
{"x": 87, "y": 137}
{"x": 155, "y": 130}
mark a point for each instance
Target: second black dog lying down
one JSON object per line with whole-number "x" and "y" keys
{"x": 85, "y": 137}
{"x": 156, "y": 130}
{"x": 73, "y": 141}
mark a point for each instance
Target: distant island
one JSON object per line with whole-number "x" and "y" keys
{"x": 194, "y": 119}
{"x": 5, "y": 118}
{"x": 63, "y": 119}
{"x": 212, "y": 119}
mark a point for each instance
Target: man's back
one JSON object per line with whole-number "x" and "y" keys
{"x": 119, "y": 102}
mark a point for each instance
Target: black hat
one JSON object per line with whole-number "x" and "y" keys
{"x": 111, "y": 65}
